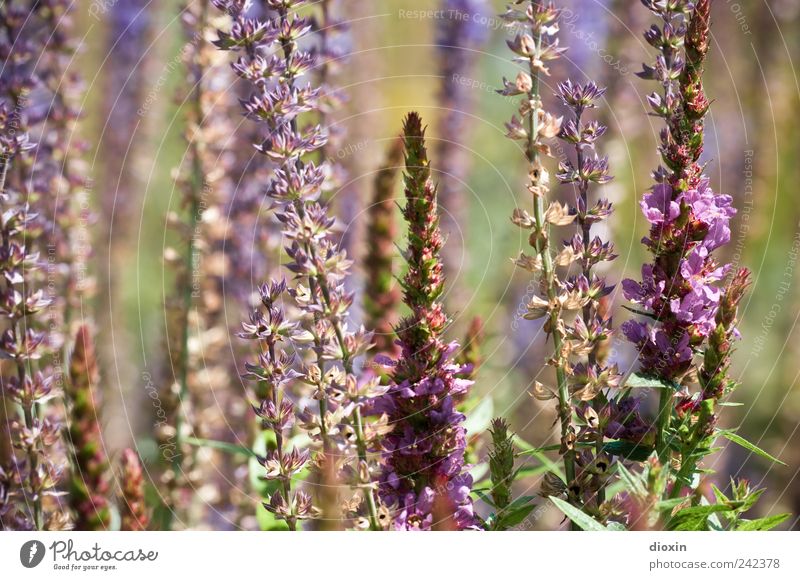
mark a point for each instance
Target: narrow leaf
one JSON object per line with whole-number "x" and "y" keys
{"x": 761, "y": 524}
{"x": 640, "y": 381}
{"x": 632, "y": 482}
{"x": 580, "y": 519}
{"x": 695, "y": 518}
{"x": 739, "y": 440}
{"x": 510, "y": 518}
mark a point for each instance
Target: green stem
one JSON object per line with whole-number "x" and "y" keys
{"x": 662, "y": 424}
{"x": 197, "y": 184}
{"x": 548, "y": 271}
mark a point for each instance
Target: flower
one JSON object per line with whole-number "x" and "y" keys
{"x": 282, "y": 104}
{"x": 89, "y": 482}
{"x": 688, "y": 219}
{"x": 423, "y": 476}
{"x": 134, "y": 514}
{"x": 381, "y": 296}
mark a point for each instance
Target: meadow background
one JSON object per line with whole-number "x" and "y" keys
{"x": 131, "y": 60}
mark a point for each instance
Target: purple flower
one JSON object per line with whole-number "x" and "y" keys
{"x": 423, "y": 478}
{"x": 658, "y": 206}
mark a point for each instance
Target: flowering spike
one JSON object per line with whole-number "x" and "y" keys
{"x": 680, "y": 288}
{"x": 280, "y": 102}
{"x": 88, "y": 484}
{"x": 501, "y": 464}
{"x": 423, "y": 478}
{"x": 381, "y": 297}
{"x": 133, "y": 509}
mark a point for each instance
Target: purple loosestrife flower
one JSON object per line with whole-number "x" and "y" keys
{"x": 679, "y": 290}
{"x": 134, "y": 515}
{"x": 89, "y": 487}
{"x": 424, "y": 479}
{"x": 271, "y": 59}
{"x": 460, "y": 35}
{"x": 381, "y": 296}
{"x": 34, "y": 435}
{"x": 591, "y": 379}
{"x": 535, "y": 45}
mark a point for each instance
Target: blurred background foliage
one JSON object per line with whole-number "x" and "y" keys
{"x": 131, "y": 61}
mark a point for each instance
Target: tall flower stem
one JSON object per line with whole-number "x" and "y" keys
{"x": 381, "y": 296}
{"x": 272, "y": 60}
{"x": 539, "y": 186}
{"x": 689, "y": 221}
{"x": 195, "y": 187}
{"x": 423, "y": 478}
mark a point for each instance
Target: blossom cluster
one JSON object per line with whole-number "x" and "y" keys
{"x": 423, "y": 478}
{"x": 35, "y": 465}
{"x": 352, "y": 424}
{"x": 271, "y": 60}
{"x": 679, "y": 290}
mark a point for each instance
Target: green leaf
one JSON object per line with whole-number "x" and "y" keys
{"x": 761, "y": 524}
{"x": 580, "y": 519}
{"x": 479, "y": 418}
{"x": 522, "y": 501}
{"x": 529, "y": 449}
{"x": 633, "y": 482}
{"x": 739, "y": 440}
{"x": 628, "y": 450}
{"x": 486, "y": 498}
{"x": 512, "y": 517}
{"x": 668, "y": 505}
{"x": 695, "y": 518}
{"x": 640, "y": 381}
{"x": 721, "y": 497}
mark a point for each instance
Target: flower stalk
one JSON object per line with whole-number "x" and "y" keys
{"x": 423, "y": 478}
{"x": 679, "y": 290}
{"x": 381, "y": 296}
{"x": 534, "y": 47}
{"x": 271, "y": 60}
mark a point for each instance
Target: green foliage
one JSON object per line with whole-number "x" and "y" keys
{"x": 741, "y": 441}
{"x": 641, "y": 381}
{"x": 579, "y": 518}
{"x": 761, "y": 524}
